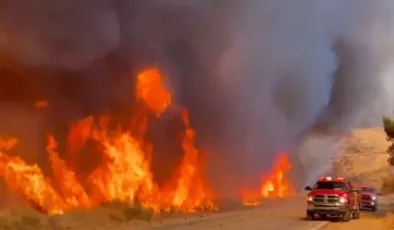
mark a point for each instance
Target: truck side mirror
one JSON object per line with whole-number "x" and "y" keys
{"x": 308, "y": 188}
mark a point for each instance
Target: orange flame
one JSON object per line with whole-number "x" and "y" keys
{"x": 190, "y": 175}
{"x": 150, "y": 90}
{"x": 275, "y": 185}
{"x": 124, "y": 173}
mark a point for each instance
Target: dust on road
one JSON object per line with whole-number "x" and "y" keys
{"x": 383, "y": 219}
{"x": 368, "y": 221}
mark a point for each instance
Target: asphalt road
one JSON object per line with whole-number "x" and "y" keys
{"x": 279, "y": 215}
{"x": 273, "y": 215}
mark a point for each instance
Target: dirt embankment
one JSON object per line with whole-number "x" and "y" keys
{"x": 364, "y": 159}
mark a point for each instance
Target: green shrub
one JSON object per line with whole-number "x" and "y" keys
{"x": 388, "y": 125}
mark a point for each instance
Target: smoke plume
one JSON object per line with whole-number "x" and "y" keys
{"x": 258, "y": 76}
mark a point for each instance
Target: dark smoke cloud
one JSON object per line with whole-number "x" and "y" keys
{"x": 259, "y": 76}
{"x": 67, "y": 34}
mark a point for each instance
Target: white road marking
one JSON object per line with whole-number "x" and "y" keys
{"x": 319, "y": 226}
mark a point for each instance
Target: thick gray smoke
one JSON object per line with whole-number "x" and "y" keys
{"x": 258, "y": 76}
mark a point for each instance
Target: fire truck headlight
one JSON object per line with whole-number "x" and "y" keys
{"x": 343, "y": 200}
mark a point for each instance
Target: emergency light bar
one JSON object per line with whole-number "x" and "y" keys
{"x": 328, "y": 178}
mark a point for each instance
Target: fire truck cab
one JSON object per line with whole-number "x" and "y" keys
{"x": 334, "y": 197}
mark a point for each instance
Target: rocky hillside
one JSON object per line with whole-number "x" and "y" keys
{"x": 364, "y": 159}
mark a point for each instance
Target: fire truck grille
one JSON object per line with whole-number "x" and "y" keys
{"x": 366, "y": 197}
{"x": 327, "y": 199}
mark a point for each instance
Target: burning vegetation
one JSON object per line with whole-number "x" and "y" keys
{"x": 124, "y": 173}
{"x": 275, "y": 184}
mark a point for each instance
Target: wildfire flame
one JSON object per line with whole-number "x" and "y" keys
{"x": 124, "y": 173}
{"x": 275, "y": 185}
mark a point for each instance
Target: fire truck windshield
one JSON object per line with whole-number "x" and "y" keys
{"x": 330, "y": 185}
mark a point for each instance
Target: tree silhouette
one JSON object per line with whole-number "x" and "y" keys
{"x": 388, "y": 125}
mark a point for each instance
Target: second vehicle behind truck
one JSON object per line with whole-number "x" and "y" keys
{"x": 369, "y": 198}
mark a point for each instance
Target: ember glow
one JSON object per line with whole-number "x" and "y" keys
{"x": 275, "y": 184}
{"x": 124, "y": 173}
{"x": 41, "y": 104}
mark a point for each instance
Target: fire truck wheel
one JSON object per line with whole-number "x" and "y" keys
{"x": 374, "y": 209}
{"x": 346, "y": 217}
{"x": 356, "y": 215}
{"x": 310, "y": 216}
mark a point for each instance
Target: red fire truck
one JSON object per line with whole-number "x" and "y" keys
{"x": 333, "y": 197}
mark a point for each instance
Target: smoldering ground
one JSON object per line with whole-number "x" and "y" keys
{"x": 258, "y": 76}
